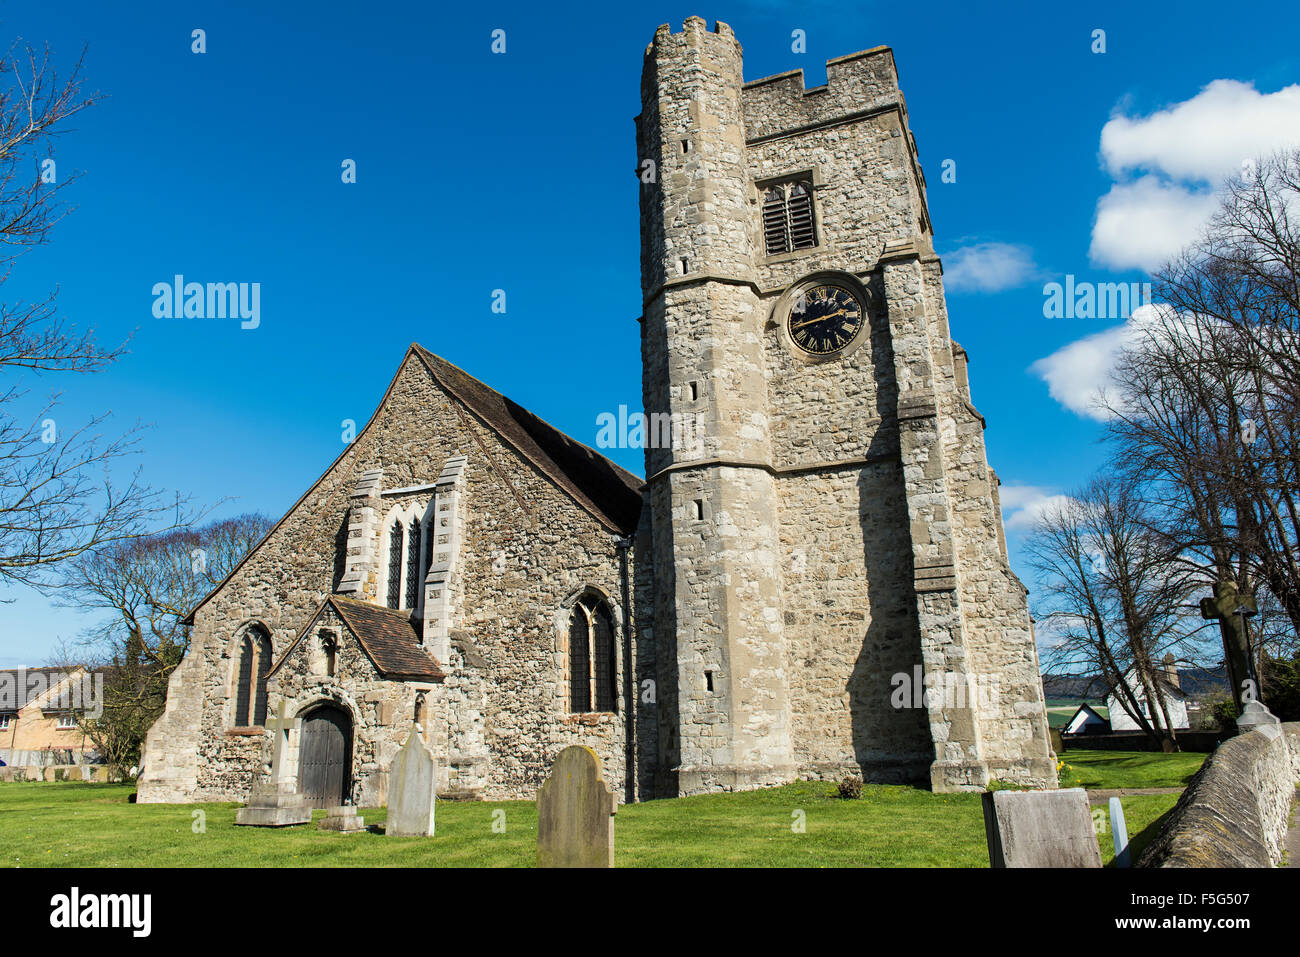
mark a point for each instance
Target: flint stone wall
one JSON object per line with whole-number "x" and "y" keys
{"x": 496, "y": 723}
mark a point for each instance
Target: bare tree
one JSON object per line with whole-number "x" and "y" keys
{"x": 147, "y": 586}
{"x": 57, "y": 499}
{"x": 1205, "y": 411}
{"x": 1114, "y": 600}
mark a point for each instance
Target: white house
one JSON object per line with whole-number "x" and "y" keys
{"x": 1167, "y": 687}
{"x": 1086, "y": 721}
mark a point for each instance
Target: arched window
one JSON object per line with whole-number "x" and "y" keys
{"x": 395, "y": 565}
{"x": 250, "y": 683}
{"x": 410, "y": 550}
{"x": 413, "y": 581}
{"x": 330, "y": 646}
{"x": 591, "y": 657}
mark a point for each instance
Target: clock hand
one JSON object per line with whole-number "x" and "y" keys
{"x": 829, "y": 315}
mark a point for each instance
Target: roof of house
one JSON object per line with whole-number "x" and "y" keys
{"x": 1162, "y": 682}
{"x": 610, "y": 493}
{"x": 1088, "y": 709}
{"x": 386, "y": 635}
{"x": 14, "y": 686}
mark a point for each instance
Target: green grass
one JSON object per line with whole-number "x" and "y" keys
{"x": 1129, "y": 769}
{"x": 69, "y": 824}
{"x": 1143, "y": 815}
{"x": 93, "y": 825}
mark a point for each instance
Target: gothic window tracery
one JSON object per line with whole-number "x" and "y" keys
{"x": 395, "y": 565}
{"x": 251, "y": 668}
{"x": 592, "y": 657}
{"x": 408, "y": 548}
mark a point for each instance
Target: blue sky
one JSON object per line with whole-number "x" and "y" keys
{"x": 479, "y": 171}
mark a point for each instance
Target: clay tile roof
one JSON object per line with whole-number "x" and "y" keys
{"x": 610, "y": 493}
{"x": 387, "y": 636}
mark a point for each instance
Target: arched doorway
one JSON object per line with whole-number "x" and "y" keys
{"x": 325, "y": 756}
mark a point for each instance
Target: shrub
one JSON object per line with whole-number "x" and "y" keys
{"x": 850, "y": 789}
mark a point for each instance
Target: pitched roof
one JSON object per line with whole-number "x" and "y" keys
{"x": 386, "y": 635}
{"x": 610, "y": 493}
{"x": 389, "y": 638}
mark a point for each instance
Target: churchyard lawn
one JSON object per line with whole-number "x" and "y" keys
{"x": 1129, "y": 769}
{"x": 799, "y": 825}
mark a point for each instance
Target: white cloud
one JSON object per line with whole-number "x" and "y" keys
{"x": 1077, "y": 373}
{"x": 1183, "y": 154}
{"x": 1142, "y": 224}
{"x": 1207, "y": 137}
{"x": 988, "y": 267}
{"x": 1023, "y": 505}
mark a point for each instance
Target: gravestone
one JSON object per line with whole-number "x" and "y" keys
{"x": 412, "y": 784}
{"x": 1040, "y": 829}
{"x": 1119, "y": 830}
{"x": 343, "y": 818}
{"x": 275, "y": 801}
{"x": 575, "y": 813}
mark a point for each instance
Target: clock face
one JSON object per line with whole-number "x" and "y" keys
{"x": 824, "y": 319}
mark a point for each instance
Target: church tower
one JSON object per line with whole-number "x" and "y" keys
{"x": 712, "y": 502}
{"x": 831, "y": 547}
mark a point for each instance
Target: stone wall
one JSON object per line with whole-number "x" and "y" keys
{"x": 1236, "y": 809}
{"x": 890, "y": 550}
{"x": 98, "y": 773}
{"x": 527, "y": 547}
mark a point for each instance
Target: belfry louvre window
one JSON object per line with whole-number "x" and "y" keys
{"x": 592, "y": 663}
{"x": 788, "y": 221}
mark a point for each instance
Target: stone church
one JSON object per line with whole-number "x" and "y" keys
{"x": 817, "y": 588}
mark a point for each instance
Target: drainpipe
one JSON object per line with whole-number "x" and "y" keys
{"x": 623, "y": 544}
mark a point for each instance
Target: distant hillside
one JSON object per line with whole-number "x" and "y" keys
{"x": 1074, "y": 687}
{"x": 1196, "y": 682}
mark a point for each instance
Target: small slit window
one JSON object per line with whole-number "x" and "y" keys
{"x": 788, "y": 220}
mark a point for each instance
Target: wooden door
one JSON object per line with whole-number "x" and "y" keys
{"x": 324, "y": 757}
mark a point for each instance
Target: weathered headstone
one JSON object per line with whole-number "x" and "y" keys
{"x": 1040, "y": 829}
{"x": 343, "y": 818}
{"x": 275, "y": 801}
{"x": 575, "y": 813}
{"x": 1119, "y": 830}
{"x": 412, "y": 786}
